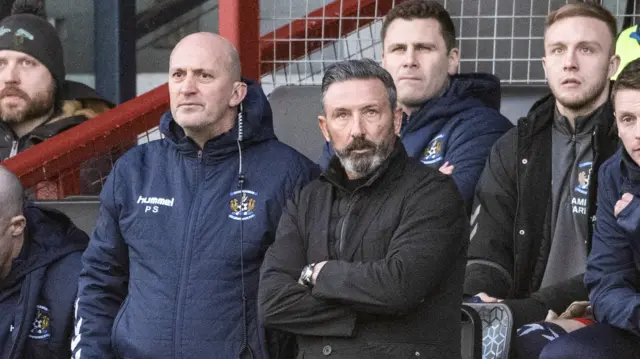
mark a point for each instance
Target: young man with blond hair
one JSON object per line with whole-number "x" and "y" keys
{"x": 535, "y": 202}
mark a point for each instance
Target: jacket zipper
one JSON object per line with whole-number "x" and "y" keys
{"x": 352, "y": 200}
{"x": 590, "y": 189}
{"x": 19, "y": 327}
{"x": 14, "y": 149}
{"x": 184, "y": 271}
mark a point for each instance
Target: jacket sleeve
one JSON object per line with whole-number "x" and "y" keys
{"x": 612, "y": 277}
{"x": 490, "y": 258}
{"x": 327, "y": 153}
{"x": 430, "y": 241}
{"x": 285, "y": 304}
{"x": 60, "y": 291}
{"x": 103, "y": 281}
{"x": 470, "y": 146}
{"x": 557, "y": 297}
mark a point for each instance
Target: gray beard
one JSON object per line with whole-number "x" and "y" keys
{"x": 362, "y": 165}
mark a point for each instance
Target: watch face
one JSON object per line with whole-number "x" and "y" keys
{"x": 306, "y": 276}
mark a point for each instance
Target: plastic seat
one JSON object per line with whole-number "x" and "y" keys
{"x": 497, "y": 325}
{"x": 471, "y": 333}
{"x": 83, "y": 210}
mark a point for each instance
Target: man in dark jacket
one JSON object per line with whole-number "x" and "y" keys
{"x": 369, "y": 259}
{"x": 534, "y": 208}
{"x": 613, "y": 268}
{"x": 35, "y": 101}
{"x": 172, "y": 268}
{"x": 450, "y": 121}
{"x": 40, "y": 253}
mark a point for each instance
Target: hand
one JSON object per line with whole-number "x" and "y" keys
{"x": 487, "y": 299}
{"x": 580, "y": 309}
{"x": 316, "y": 270}
{"x": 447, "y": 168}
{"x": 622, "y": 203}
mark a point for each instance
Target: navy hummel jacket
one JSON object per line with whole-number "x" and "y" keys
{"x": 613, "y": 267}
{"x": 459, "y": 127}
{"x": 179, "y": 243}
{"x": 36, "y": 298}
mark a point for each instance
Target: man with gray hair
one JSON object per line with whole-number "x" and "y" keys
{"x": 40, "y": 252}
{"x": 368, "y": 260}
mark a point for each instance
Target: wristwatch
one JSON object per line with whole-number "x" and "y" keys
{"x": 307, "y": 272}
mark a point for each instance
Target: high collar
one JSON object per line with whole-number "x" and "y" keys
{"x": 582, "y": 124}
{"x": 337, "y": 176}
{"x": 542, "y": 114}
{"x": 630, "y": 167}
{"x": 256, "y": 127}
{"x": 464, "y": 92}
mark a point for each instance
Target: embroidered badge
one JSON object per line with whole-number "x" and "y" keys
{"x": 41, "y": 324}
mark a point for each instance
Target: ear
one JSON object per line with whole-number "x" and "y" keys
{"x": 397, "y": 121}
{"x": 17, "y": 225}
{"x": 454, "y": 61}
{"x": 544, "y": 66}
{"x": 239, "y": 93}
{"x": 614, "y": 63}
{"x": 322, "y": 123}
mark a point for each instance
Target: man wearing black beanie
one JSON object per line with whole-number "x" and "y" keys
{"x": 34, "y": 95}
{"x": 32, "y": 80}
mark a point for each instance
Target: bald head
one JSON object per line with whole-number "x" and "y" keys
{"x": 215, "y": 48}
{"x": 11, "y": 194}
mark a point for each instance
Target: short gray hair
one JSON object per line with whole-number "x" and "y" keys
{"x": 364, "y": 69}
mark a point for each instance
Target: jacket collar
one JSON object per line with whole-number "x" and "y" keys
{"x": 542, "y": 114}
{"x": 629, "y": 168}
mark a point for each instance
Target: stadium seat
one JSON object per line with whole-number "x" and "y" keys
{"x": 83, "y": 210}
{"x": 497, "y": 325}
{"x": 471, "y": 333}
{"x": 516, "y": 100}
{"x": 295, "y": 118}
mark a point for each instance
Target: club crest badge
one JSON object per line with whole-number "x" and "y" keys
{"x": 40, "y": 329}
{"x": 242, "y": 205}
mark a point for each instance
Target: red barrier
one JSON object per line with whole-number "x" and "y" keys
{"x": 58, "y": 158}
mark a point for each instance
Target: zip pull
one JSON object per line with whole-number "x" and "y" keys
{"x": 14, "y": 149}
{"x": 200, "y": 156}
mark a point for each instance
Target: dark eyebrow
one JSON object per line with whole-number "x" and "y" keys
{"x": 339, "y": 109}
{"x": 426, "y": 44}
{"x": 625, "y": 113}
{"x": 590, "y": 43}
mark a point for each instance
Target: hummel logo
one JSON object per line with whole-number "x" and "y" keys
{"x": 155, "y": 200}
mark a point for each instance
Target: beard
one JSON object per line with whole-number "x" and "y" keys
{"x": 590, "y": 96}
{"x": 36, "y": 107}
{"x": 360, "y": 165}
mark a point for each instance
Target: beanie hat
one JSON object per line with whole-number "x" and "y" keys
{"x": 26, "y": 30}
